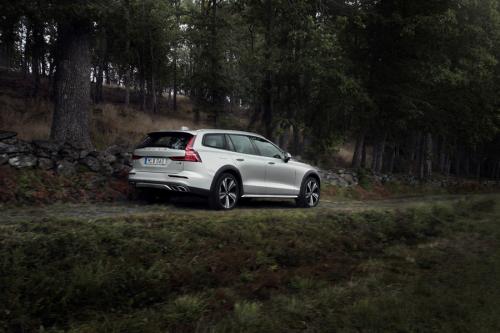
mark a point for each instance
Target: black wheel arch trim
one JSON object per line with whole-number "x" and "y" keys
{"x": 312, "y": 173}
{"x": 226, "y": 168}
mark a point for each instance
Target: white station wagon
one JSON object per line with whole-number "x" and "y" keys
{"x": 222, "y": 165}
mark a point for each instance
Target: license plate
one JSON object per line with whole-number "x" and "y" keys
{"x": 155, "y": 161}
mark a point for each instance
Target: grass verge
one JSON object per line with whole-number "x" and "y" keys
{"x": 426, "y": 269}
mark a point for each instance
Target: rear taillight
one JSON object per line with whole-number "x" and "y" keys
{"x": 190, "y": 155}
{"x": 136, "y": 157}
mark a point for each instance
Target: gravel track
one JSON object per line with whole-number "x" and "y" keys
{"x": 198, "y": 206}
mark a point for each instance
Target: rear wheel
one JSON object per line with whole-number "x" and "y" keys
{"x": 225, "y": 193}
{"x": 309, "y": 193}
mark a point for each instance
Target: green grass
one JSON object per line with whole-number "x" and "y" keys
{"x": 418, "y": 270}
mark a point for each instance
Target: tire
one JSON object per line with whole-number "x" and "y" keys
{"x": 309, "y": 193}
{"x": 225, "y": 193}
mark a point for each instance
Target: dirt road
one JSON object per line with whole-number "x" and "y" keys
{"x": 198, "y": 206}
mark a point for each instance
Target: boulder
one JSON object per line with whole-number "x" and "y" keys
{"x": 4, "y": 158}
{"x": 93, "y": 153}
{"x": 120, "y": 169}
{"x": 107, "y": 170}
{"x": 106, "y": 158}
{"x": 46, "y": 145}
{"x": 84, "y": 153}
{"x": 23, "y": 161}
{"x": 45, "y": 163}
{"x": 349, "y": 178}
{"x": 115, "y": 150}
{"x": 127, "y": 159}
{"x": 69, "y": 152}
{"x": 92, "y": 163}
{"x": 5, "y": 135}
{"x": 20, "y": 147}
{"x": 66, "y": 168}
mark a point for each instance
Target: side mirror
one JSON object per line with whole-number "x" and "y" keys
{"x": 287, "y": 157}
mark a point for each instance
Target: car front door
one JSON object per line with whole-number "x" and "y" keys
{"x": 280, "y": 176}
{"x": 251, "y": 166}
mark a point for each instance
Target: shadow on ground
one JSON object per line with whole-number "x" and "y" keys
{"x": 200, "y": 203}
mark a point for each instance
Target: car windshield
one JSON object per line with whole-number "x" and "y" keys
{"x": 172, "y": 140}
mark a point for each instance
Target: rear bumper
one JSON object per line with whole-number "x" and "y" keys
{"x": 178, "y": 183}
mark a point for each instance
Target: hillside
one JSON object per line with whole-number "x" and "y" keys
{"x": 112, "y": 122}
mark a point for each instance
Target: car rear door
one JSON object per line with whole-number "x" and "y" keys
{"x": 251, "y": 166}
{"x": 158, "y": 151}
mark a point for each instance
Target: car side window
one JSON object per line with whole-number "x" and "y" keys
{"x": 214, "y": 141}
{"x": 267, "y": 149}
{"x": 242, "y": 144}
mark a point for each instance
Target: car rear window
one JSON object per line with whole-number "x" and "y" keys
{"x": 172, "y": 140}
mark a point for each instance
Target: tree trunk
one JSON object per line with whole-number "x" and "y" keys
{"x": 128, "y": 77}
{"x": 174, "y": 103}
{"x": 378, "y": 154}
{"x": 71, "y": 109}
{"x": 8, "y": 42}
{"x": 457, "y": 162}
{"x": 214, "y": 67}
{"x": 27, "y": 50}
{"x": 442, "y": 155}
{"x": 128, "y": 67}
{"x": 268, "y": 84}
{"x": 392, "y": 158}
{"x": 467, "y": 163}
{"x": 143, "y": 92}
{"x": 174, "y": 98}
{"x": 363, "y": 155}
{"x": 37, "y": 55}
{"x": 358, "y": 150}
{"x": 154, "y": 103}
{"x": 428, "y": 155}
{"x": 478, "y": 167}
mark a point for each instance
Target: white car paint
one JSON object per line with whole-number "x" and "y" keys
{"x": 261, "y": 176}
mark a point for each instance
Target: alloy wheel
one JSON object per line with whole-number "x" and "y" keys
{"x": 312, "y": 193}
{"x": 228, "y": 192}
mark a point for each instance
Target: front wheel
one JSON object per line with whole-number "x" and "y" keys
{"x": 309, "y": 193}
{"x": 225, "y": 193}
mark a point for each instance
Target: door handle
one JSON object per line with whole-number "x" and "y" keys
{"x": 240, "y": 159}
{"x": 271, "y": 163}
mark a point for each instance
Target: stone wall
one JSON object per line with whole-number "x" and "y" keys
{"x": 63, "y": 159}
{"x": 350, "y": 178}
{"x": 116, "y": 161}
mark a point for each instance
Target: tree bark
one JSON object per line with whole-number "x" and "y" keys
{"x": 37, "y": 55}
{"x": 128, "y": 77}
{"x": 268, "y": 84}
{"x": 428, "y": 155}
{"x": 174, "y": 102}
{"x": 392, "y": 157}
{"x": 128, "y": 66}
{"x": 8, "y": 42}
{"x": 442, "y": 155}
{"x": 72, "y": 101}
{"x": 457, "y": 162}
{"x": 358, "y": 151}
{"x": 378, "y": 154}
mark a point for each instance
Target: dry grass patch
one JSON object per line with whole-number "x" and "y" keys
{"x": 111, "y": 124}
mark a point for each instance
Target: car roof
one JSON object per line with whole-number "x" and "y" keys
{"x": 207, "y": 130}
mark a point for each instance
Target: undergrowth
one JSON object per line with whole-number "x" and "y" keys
{"x": 426, "y": 269}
